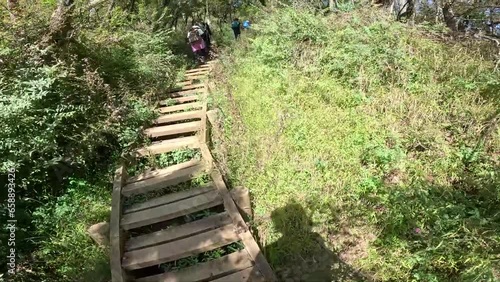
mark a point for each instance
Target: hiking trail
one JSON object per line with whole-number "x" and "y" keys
{"x": 138, "y": 257}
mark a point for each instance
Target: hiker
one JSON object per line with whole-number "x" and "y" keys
{"x": 207, "y": 34}
{"x": 236, "y": 26}
{"x": 195, "y": 38}
{"x": 246, "y": 25}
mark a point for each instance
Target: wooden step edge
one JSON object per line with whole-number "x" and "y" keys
{"x": 190, "y": 142}
{"x": 176, "y": 117}
{"x": 163, "y": 181}
{"x": 178, "y": 232}
{"x": 173, "y": 129}
{"x": 200, "y": 68}
{"x": 170, "y": 211}
{"x": 179, "y": 100}
{"x": 179, "y": 249}
{"x": 170, "y": 198}
{"x": 182, "y": 107}
{"x": 184, "y": 93}
{"x": 200, "y": 72}
{"x": 163, "y": 171}
{"x": 214, "y": 269}
{"x": 188, "y": 87}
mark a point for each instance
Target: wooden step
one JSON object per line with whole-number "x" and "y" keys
{"x": 186, "y": 92}
{"x": 169, "y": 176}
{"x": 178, "y": 232}
{"x": 200, "y": 72}
{"x": 170, "y": 198}
{"x": 173, "y": 129}
{"x": 179, "y": 117}
{"x": 250, "y": 274}
{"x": 198, "y": 69}
{"x": 194, "y": 74}
{"x": 206, "y": 271}
{"x": 196, "y": 77}
{"x": 178, "y": 249}
{"x": 179, "y": 100}
{"x": 166, "y": 146}
{"x": 181, "y": 107}
{"x": 159, "y": 172}
{"x": 170, "y": 211}
{"x": 188, "y": 87}
{"x": 184, "y": 83}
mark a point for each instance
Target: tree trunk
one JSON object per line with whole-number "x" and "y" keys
{"x": 60, "y": 24}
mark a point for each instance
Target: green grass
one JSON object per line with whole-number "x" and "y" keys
{"x": 63, "y": 243}
{"x": 371, "y": 135}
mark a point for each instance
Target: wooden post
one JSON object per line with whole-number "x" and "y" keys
{"x": 241, "y": 197}
{"x": 116, "y": 232}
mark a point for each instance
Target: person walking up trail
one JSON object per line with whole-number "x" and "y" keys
{"x": 195, "y": 38}
{"x": 236, "y": 26}
{"x": 207, "y": 34}
{"x": 246, "y": 25}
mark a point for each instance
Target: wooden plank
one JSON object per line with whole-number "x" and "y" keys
{"x": 188, "y": 87}
{"x": 199, "y": 72}
{"x": 170, "y": 211}
{"x": 193, "y": 76}
{"x": 170, "y": 198}
{"x": 159, "y": 172}
{"x": 178, "y": 232}
{"x": 180, "y": 248}
{"x": 173, "y": 129}
{"x": 205, "y": 271}
{"x": 182, "y": 107}
{"x": 186, "y": 92}
{"x": 198, "y": 77}
{"x": 115, "y": 232}
{"x": 198, "y": 69}
{"x": 250, "y": 274}
{"x": 245, "y": 235}
{"x": 179, "y": 100}
{"x": 183, "y": 83}
{"x": 169, "y": 146}
{"x": 179, "y": 117}
{"x": 167, "y": 179}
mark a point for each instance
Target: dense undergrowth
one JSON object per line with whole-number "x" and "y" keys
{"x": 381, "y": 138}
{"x": 71, "y": 105}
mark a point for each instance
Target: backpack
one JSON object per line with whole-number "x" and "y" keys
{"x": 193, "y": 36}
{"x": 235, "y": 25}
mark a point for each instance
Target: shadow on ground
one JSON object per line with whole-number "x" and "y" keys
{"x": 301, "y": 254}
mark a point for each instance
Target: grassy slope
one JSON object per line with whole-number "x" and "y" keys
{"x": 366, "y": 133}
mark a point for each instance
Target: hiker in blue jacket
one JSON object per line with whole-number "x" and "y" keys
{"x": 246, "y": 25}
{"x": 236, "y": 26}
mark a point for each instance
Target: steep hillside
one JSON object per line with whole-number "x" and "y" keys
{"x": 371, "y": 149}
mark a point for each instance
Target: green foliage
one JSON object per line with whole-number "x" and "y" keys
{"x": 203, "y": 257}
{"x": 71, "y": 103}
{"x": 63, "y": 244}
{"x": 164, "y": 160}
{"x": 386, "y": 136}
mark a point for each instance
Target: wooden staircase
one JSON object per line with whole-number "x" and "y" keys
{"x": 137, "y": 257}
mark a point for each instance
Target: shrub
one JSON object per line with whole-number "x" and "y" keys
{"x": 386, "y": 135}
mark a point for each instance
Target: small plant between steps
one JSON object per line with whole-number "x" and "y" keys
{"x": 163, "y": 160}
